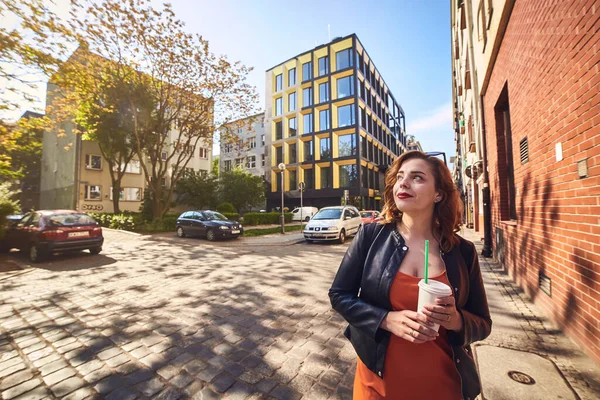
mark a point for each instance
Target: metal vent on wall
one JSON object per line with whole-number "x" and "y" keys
{"x": 524, "y": 150}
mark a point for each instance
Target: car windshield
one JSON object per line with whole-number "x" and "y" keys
{"x": 69, "y": 219}
{"x": 366, "y": 214}
{"x": 328, "y": 214}
{"x": 214, "y": 216}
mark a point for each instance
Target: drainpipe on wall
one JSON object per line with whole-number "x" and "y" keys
{"x": 487, "y": 211}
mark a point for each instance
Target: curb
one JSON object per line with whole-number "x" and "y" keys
{"x": 122, "y": 231}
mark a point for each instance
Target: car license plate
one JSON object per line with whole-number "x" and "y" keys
{"x": 235, "y": 231}
{"x": 317, "y": 235}
{"x": 79, "y": 234}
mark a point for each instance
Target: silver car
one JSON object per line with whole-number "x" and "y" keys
{"x": 333, "y": 223}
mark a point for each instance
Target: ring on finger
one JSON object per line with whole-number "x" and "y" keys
{"x": 413, "y": 333}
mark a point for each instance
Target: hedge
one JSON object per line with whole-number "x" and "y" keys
{"x": 253, "y": 218}
{"x": 232, "y": 216}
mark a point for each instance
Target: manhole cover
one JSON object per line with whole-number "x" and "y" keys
{"x": 521, "y": 377}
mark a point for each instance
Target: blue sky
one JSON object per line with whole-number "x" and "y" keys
{"x": 408, "y": 40}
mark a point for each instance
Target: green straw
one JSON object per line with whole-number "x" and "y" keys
{"x": 426, "y": 260}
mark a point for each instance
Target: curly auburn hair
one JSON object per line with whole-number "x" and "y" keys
{"x": 447, "y": 213}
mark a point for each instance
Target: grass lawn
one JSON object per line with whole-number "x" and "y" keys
{"x": 268, "y": 231}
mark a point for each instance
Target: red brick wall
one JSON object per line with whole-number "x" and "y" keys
{"x": 550, "y": 61}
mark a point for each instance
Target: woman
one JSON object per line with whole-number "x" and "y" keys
{"x": 399, "y": 355}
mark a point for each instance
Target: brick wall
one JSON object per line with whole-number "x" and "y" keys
{"x": 550, "y": 62}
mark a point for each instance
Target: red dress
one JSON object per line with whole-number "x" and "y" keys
{"x": 411, "y": 371}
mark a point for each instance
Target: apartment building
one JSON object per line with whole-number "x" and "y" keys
{"x": 331, "y": 119}
{"x": 243, "y": 144}
{"x": 526, "y": 91}
{"x": 76, "y": 176}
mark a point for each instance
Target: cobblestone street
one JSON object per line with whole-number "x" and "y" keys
{"x": 168, "y": 318}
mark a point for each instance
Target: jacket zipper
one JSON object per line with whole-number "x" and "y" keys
{"x": 454, "y": 359}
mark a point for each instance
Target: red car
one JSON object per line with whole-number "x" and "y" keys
{"x": 42, "y": 233}
{"x": 368, "y": 216}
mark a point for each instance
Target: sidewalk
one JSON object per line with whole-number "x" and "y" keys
{"x": 543, "y": 362}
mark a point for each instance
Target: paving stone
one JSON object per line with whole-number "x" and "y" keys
{"x": 139, "y": 376}
{"x": 168, "y": 394}
{"x": 118, "y": 360}
{"x": 109, "y": 353}
{"x": 330, "y": 378}
{"x": 80, "y": 394}
{"x": 207, "y": 394}
{"x": 151, "y": 340}
{"x": 140, "y": 352}
{"x": 209, "y": 373}
{"x": 109, "y": 384}
{"x": 266, "y": 385}
{"x": 153, "y": 361}
{"x": 97, "y": 375}
{"x": 89, "y": 367}
{"x": 193, "y": 388}
{"x": 67, "y": 386}
{"x": 195, "y": 366}
{"x": 5, "y": 357}
{"x": 319, "y": 392}
{"x": 60, "y": 375}
{"x": 20, "y": 389}
{"x": 122, "y": 394}
{"x": 168, "y": 371}
{"x": 285, "y": 393}
{"x": 128, "y": 368}
{"x": 38, "y": 393}
{"x": 222, "y": 382}
{"x": 181, "y": 380}
{"x": 69, "y": 347}
{"x": 15, "y": 379}
{"x": 39, "y": 354}
{"x": 34, "y": 347}
{"x": 150, "y": 387}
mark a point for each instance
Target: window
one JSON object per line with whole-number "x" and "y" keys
{"x": 307, "y": 123}
{"x": 227, "y": 165}
{"x": 251, "y": 162}
{"x": 345, "y": 87}
{"x": 133, "y": 167}
{"x": 263, "y": 160}
{"x": 306, "y": 71}
{"x": 308, "y": 179}
{"x": 325, "y": 180}
{"x": 346, "y": 115}
{"x": 364, "y": 177}
{"x": 292, "y": 127}
{"x": 308, "y": 150}
{"x": 128, "y": 194}
{"x": 203, "y": 153}
{"x": 323, "y": 66}
{"x": 325, "y": 144}
{"x": 323, "y": 120}
{"x": 278, "y": 155}
{"x": 508, "y": 207}
{"x": 292, "y": 153}
{"x": 278, "y": 106}
{"x": 278, "y": 83}
{"x": 292, "y": 101}
{"x": 252, "y": 142}
{"x": 324, "y": 92}
{"x": 93, "y": 161}
{"x": 363, "y": 147}
{"x": 307, "y": 97}
{"x": 163, "y": 156}
{"x": 278, "y": 130}
{"x": 92, "y": 192}
{"x": 262, "y": 139}
{"x": 292, "y": 77}
{"x": 239, "y": 162}
{"x": 228, "y": 147}
{"x": 292, "y": 178}
{"x": 348, "y": 175}
{"x": 346, "y": 145}
{"x": 344, "y": 59}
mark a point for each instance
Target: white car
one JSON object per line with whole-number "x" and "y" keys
{"x": 333, "y": 223}
{"x": 304, "y": 214}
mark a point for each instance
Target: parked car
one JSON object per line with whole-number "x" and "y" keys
{"x": 368, "y": 216}
{"x": 333, "y": 223}
{"x": 209, "y": 224}
{"x": 42, "y": 233}
{"x": 304, "y": 213}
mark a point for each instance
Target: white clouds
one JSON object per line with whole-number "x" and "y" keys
{"x": 435, "y": 119}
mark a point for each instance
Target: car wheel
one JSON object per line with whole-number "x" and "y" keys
{"x": 342, "y": 237}
{"x": 307, "y": 219}
{"x": 210, "y": 235}
{"x": 35, "y": 254}
{"x": 96, "y": 250}
{"x": 180, "y": 232}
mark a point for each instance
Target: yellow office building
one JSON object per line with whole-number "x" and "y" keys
{"x": 334, "y": 123}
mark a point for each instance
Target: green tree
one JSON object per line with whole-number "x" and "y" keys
{"x": 215, "y": 167}
{"x": 241, "y": 189}
{"x": 198, "y": 190}
{"x": 8, "y": 204}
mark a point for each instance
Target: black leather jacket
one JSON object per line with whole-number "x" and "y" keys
{"x": 361, "y": 289}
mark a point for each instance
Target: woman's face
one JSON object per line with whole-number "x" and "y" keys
{"x": 414, "y": 190}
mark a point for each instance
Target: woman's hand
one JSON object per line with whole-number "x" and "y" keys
{"x": 409, "y": 325}
{"x": 444, "y": 313}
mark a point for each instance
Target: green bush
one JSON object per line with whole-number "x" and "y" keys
{"x": 232, "y": 216}
{"x": 166, "y": 224}
{"x": 122, "y": 222}
{"x": 126, "y": 222}
{"x": 225, "y": 208}
{"x": 251, "y": 219}
{"x": 8, "y": 205}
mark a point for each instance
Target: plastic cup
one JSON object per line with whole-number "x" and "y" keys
{"x": 430, "y": 292}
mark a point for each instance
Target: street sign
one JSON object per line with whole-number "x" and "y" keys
{"x": 301, "y": 186}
